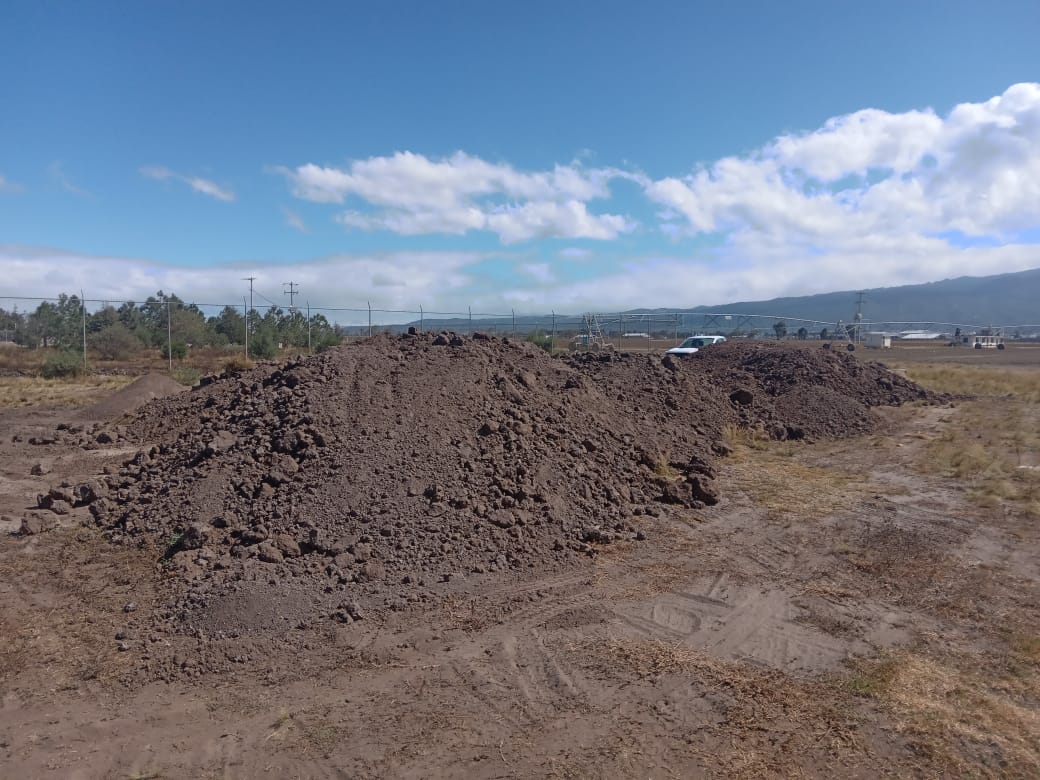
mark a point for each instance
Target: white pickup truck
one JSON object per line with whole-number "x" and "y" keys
{"x": 694, "y": 343}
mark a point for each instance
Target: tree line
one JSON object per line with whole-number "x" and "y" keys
{"x": 166, "y": 323}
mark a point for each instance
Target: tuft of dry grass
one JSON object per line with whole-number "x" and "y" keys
{"x": 787, "y": 489}
{"x": 238, "y": 363}
{"x": 737, "y": 436}
{"x": 952, "y": 708}
{"x": 994, "y": 450}
{"x": 23, "y": 391}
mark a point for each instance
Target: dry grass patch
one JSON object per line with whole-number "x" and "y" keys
{"x": 970, "y": 719}
{"x": 737, "y": 437}
{"x": 819, "y": 720}
{"x": 787, "y": 489}
{"x": 1022, "y": 383}
{"x": 994, "y": 450}
{"x": 34, "y": 391}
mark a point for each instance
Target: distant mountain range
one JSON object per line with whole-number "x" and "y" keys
{"x": 1012, "y": 299}
{"x": 1002, "y": 299}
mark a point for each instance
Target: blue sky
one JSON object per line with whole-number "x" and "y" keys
{"x": 536, "y": 155}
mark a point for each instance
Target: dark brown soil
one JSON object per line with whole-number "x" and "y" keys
{"x": 377, "y": 474}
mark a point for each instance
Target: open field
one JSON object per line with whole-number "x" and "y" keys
{"x": 857, "y": 608}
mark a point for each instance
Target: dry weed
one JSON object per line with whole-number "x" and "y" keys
{"x": 955, "y": 707}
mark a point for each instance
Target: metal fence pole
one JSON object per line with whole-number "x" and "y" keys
{"x": 369, "y": 318}
{"x": 649, "y": 332}
{"x": 83, "y": 311}
{"x": 620, "y": 330}
{"x": 309, "y": 350}
{"x": 169, "y": 336}
{"x": 470, "y": 308}
{"x": 422, "y": 319}
{"x": 245, "y": 322}
{"x": 513, "y": 311}
{"x": 552, "y": 340}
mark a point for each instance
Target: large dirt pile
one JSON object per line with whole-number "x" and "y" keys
{"x": 378, "y": 468}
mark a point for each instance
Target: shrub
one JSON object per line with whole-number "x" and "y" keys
{"x": 186, "y": 375}
{"x": 116, "y": 342}
{"x": 178, "y": 348}
{"x": 263, "y": 346}
{"x": 62, "y": 365}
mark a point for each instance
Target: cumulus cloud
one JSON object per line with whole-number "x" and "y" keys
{"x": 6, "y": 185}
{"x": 873, "y": 178}
{"x": 411, "y": 194}
{"x": 198, "y": 184}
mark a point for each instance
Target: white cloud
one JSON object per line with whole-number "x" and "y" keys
{"x": 575, "y": 253}
{"x": 412, "y": 194}
{"x": 453, "y": 281}
{"x": 398, "y": 280}
{"x": 294, "y": 220}
{"x": 873, "y": 178}
{"x": 6, "y": 185}
{"x": 200, "y": 185}
{"x": 56, "y": 171}
{"x": 539, "y": 272}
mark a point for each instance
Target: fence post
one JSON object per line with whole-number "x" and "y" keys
{"x": 309, "y": 350}
{"x": 169, "y": 336}
{"x": 369, "y": 318}
{"x": 620, "y": 330}
{"x": 83, "y": 310}
{"x": 245, "y": 322}
{"x": 422, "y": 320}
{"x": 649, "y": 331}
{"x": 470, "y": 308}
{"x": 513, "y": 311}
{"x": 552, "y": 340}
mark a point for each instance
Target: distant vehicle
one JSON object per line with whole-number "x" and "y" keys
{"x": 695, "y": 343}
{"x": 988, "y": 342}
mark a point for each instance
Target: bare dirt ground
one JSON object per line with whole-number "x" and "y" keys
{"x": 842, "y": 611}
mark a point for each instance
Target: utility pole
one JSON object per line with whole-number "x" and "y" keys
{"x": 249, "y": 279}
{"x": 859, "y": 316}
{"x": 292, "y": 292}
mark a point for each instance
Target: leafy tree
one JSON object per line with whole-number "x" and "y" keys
{"x": 780, "y": 329}
{"x": 103, "y": 318}
{"x": 825, "y": 334}
{"x": 228, "y": 327}
{"x": 115, "y": 342}
{"x": 803, "y": 333}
